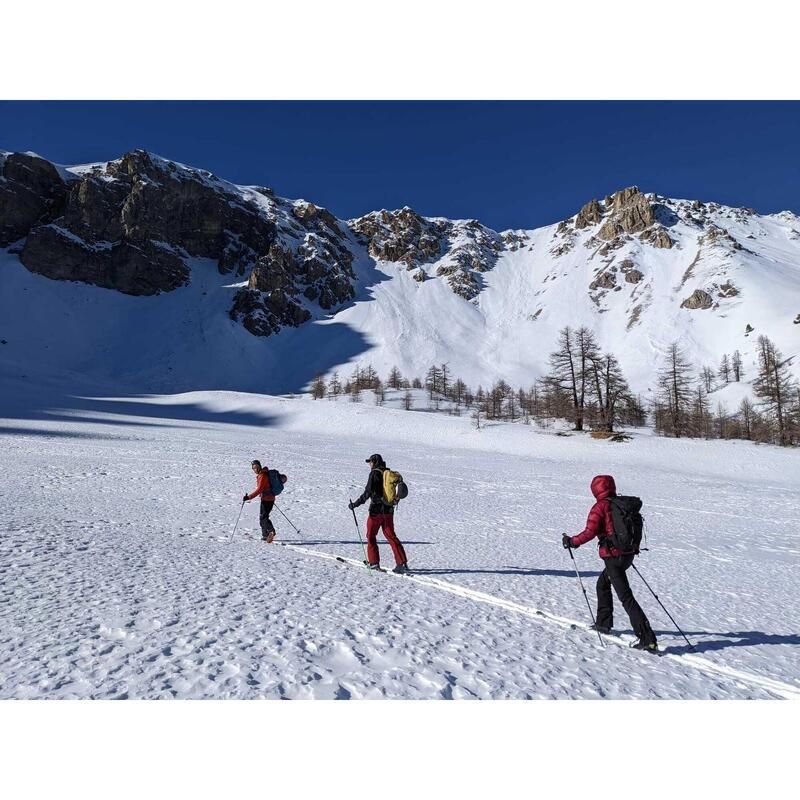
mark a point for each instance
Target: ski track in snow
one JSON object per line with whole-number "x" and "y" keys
{"x": 781, "y": 689}
{"x": 117, "y": 578}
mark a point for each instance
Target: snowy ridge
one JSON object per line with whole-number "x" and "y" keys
{"x": 393, "y": 288}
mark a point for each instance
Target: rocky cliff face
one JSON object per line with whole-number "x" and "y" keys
{"x": 132, "y": 224}
{"x": 31, "y": 189}
{"x": 309, "y": 261}
{"x": 458, "y": 251}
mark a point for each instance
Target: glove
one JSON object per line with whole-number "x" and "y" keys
{"x": 567, "y": 542}
{"x": 245, "y": 498}
{"x": 351, "y": 505}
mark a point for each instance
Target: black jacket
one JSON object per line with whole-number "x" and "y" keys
{"x": 374, "y": 493}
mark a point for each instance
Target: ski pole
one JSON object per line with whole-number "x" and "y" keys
{"x": 358, "y": 531}
{"x": 237, "y": 521}
{"x": 691, "y": 646}
{"x": 296, "y": 530}
{"x": 585, "y": 597}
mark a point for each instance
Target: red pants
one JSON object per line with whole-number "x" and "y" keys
{"x": 386, "y": 521}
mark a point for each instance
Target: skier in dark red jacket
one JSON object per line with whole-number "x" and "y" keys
{"x": 601, "y": 525}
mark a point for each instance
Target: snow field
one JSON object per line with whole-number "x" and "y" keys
{"x": 118, "y": 579}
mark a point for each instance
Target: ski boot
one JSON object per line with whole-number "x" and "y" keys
{"x": 647, "y": 647}
{"x": 600, "y": 628}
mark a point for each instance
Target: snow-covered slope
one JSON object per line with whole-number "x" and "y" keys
{"x": 117, "y": 578}
{"x": 309, "y": 293}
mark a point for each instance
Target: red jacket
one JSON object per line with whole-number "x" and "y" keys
{"x": 599, "y": 522}
{"x": 263, "y": 487}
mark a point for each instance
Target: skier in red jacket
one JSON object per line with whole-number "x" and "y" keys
{"x": 601, "y": 525}
{"x": 264, "y": 489}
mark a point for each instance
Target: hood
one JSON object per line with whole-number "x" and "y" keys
{"x": 603, "y": 486}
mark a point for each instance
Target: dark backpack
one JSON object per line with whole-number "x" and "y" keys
{"x": 628, "y": 523}
{"x": 275, "y": 482}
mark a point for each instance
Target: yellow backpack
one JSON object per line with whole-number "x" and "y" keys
{"x": 394, "y": 487}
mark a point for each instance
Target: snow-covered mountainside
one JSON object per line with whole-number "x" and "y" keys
{"x": 158, "y": 276}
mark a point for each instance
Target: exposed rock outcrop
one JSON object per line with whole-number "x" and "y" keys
{"x": 590, "y": 214}
{"x": 627, "y": 211}
{"x": 727, "y": 289}
{"x": 31, "y": 190}
{"x": 610, "y": 229}
{"x": 605, "y": 280}
{"x": 633, "y": 210}
{"x": 132, "y": 224}
{"x": 716, "y": 236}
{"x": 698, "y": 300}
{"x": 662, "y": 239}
{"x": 464, "y": 249}
{"x": 132, "y": 268}
{"x": 658, "y": 237}
{"x": 401, "y": 235}
{"x": 264, "y": 314}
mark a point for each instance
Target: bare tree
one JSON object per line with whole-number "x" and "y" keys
{"x": 725, "y": 369}
{"x": 700, "y": 423}
{"x": 408, "y": 400}
{"x": 722, "y": 421}
{"x": 444, "y": 382}
{"x": 707, "y": 377}
{"x": 318, "y": 387}
{"x": 458, "y": 391}
{"x": 773, "y": 385}
{"x": 675, "y": 393}
{"x": 570, "y": 364}
{"x": 395, "y": 379}
{"x": 607, "y": 387}
{"x": 433, "y": 381}
{"x": 512, "y": 406}
{"x": 746, "y": 417}
{"x": 334, "y": 386}
{"x": 736, "y": 365}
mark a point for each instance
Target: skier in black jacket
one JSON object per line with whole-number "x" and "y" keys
{"x": 381, "y": 515}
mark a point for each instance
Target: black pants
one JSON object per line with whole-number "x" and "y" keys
{"x": 266, "y": 523}
{"x": 614, "y": 575}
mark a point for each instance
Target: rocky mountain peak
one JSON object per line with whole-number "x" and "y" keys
{"x": 400, "y": 236}
{"x": 626, "y": 212}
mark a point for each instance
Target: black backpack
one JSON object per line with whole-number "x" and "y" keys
{"x": 628, "y": 523}
{"x": 275, "y": 481}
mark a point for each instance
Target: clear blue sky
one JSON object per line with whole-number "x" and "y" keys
{"x": 510, "y": 164}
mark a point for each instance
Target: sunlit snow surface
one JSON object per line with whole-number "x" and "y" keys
{"x": 118, "y": 579}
